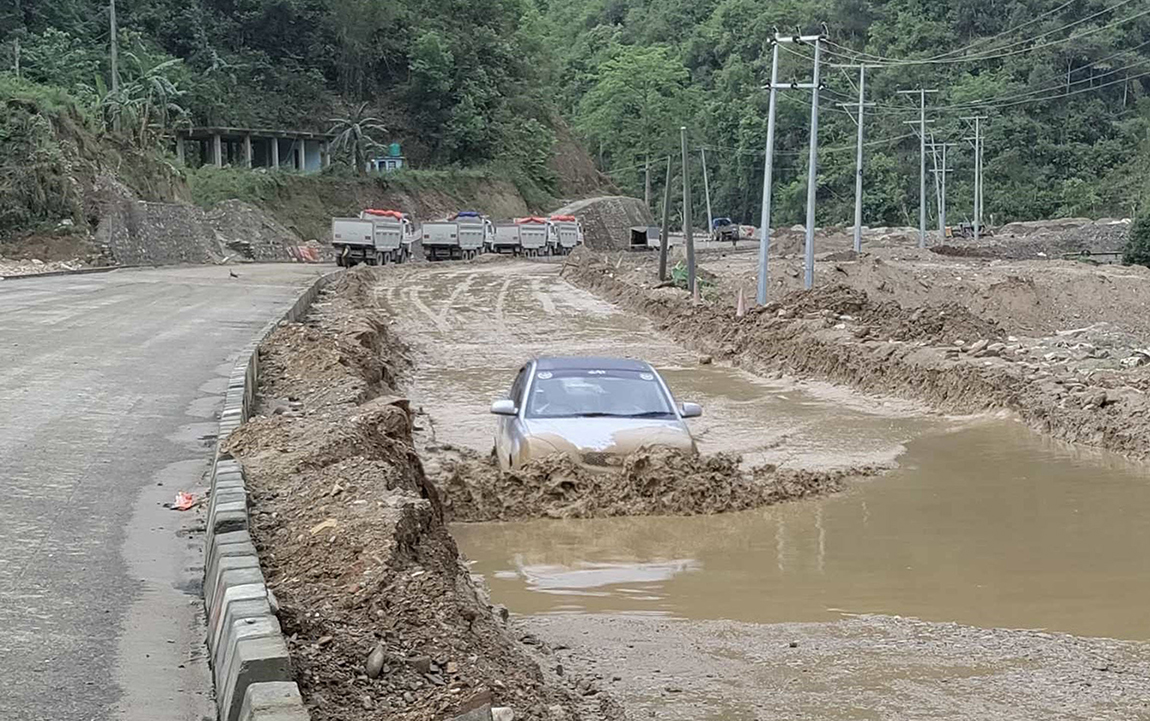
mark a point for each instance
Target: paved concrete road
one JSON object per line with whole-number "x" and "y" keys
{"x": 109, "y": 388}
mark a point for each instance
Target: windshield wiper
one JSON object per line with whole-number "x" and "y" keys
{"x": 647, "y": 414}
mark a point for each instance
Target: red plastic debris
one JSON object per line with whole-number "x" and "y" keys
{"x": 184, "y": 501}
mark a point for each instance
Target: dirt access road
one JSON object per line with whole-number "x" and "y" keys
{"x": 471, "y": 325}
{"x": 109, "y": 387}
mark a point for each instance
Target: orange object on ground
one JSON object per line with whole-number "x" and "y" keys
{"x": 184, "y": 501}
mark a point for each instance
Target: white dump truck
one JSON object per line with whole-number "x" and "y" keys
{"x": 506, "y": 239}
{"x": 534, "y": 236}
{"x": 464, "y": 235}
{"x": 566, "y": 233}
{"x": 376, "y": 237}
{"x": 523, "y": 236}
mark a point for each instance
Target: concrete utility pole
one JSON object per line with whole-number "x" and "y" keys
{"x": 859, "y": 152}
{"x": 812, "y": 171}
{"x": 812, "y": 174}
{"x": 977, "y": 141}
{"x": 980, "y": 141}
{"x": 940, "y": 178}
{"x": 665, "y": 237}
{"x": 765, "y": 218}
{"x": 687, "y": 236}
{"x": 707, "y": 191}
{"x": 934, "y": 174}
{"x": 115, "y": 46}
{"x": 922, "y": 93}
{"x": 647, "y": 183}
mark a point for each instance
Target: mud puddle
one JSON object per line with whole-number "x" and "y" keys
{"x": 988, "y": 526}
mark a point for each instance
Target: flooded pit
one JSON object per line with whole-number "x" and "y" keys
{"x": 983, "y": 522}
{"x": 988, "y": 526}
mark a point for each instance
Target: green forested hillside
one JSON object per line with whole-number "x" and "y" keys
{"x": 455, "y": 80}
{"x": 1063, "y": 84}
{"x": 472, "y": 82}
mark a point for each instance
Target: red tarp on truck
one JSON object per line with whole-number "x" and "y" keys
{"x": 385, "y": 213}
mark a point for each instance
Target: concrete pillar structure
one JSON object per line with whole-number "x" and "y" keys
{"x": 275, "y": 152}
{"x": 326, "y": 152}
{"x": 300, "y": 155}
{"x": 247, "y": 151}
{"x": 180, "y": 150}
{"x": 218, "y": 151}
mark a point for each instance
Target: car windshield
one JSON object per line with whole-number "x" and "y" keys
{"x": 598, "y": 394}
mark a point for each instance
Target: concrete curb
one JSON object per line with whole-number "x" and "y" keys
{"x": 251, "y": 666}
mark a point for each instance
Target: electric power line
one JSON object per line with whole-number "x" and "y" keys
{"x": 956, "y": 51}
{"x": 891, "y": 63}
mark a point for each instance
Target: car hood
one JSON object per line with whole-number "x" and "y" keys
{"x": 616, "y": 436}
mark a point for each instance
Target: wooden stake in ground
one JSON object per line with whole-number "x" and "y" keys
{"x": 740, "y": 305}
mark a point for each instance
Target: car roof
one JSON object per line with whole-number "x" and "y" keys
{"x": 590, "y": 363}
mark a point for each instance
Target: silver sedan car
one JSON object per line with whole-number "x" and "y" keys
{"x": 596, "y": 410}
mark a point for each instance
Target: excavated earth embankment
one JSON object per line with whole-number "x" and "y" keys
{"x": 382, "y": 617}
{"x": 1072, "y": 385}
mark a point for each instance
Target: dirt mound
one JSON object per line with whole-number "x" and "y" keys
{"x": 354, "y": 544}
{"x": 1096, "y": 393}
{"x": 1050, "y": 240}
{"x": 607, "y": 221}
{"x": 650, "y": 483}
{"x": 943, "y": 322}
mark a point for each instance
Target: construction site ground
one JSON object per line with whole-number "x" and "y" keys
{"x": 926, "y": 522}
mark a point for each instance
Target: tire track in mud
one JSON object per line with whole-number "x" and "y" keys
{"x": 412, "y": 294}
{"x": 455, "y": 293}
{"x": 500, "y": 300}
{"x": 542, "y": 296}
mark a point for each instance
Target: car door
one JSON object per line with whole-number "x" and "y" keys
{"x": 509, "y": 432}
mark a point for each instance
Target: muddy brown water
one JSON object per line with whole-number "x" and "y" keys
{"x": 982, "y": 522}
{"x": 987, "y": 526}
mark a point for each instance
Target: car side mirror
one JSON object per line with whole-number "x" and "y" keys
{"x": 691, "y": 410}
{"x": 504, "y": 407}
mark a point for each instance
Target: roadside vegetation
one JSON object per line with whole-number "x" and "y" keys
{"x": 1138, "y": 244}
{"x": 519, "y": 86}
{"x": 1068, "y": 128}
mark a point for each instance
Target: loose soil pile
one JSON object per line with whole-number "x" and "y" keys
{"x": 656, "y": 482}
{"x": 382, "y": 617}
{"x": 1020, "y": 241}
{"x": 938, "y": 353}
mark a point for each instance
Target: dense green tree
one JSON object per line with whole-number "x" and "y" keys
{"x": 1138, "y": 244}
{"x": 636, "y": 104}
